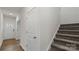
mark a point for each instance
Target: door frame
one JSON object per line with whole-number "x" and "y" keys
{"x": 2, "y": 20}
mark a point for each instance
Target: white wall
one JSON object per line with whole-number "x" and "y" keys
{"x": 40, "y": 22}
{"x": 0, "y": 26}
{"x": 69, "y": 15}
{"x": 30, "y": 28}
{"x": 23, "y": 23}
{"x": 49, "y": 24}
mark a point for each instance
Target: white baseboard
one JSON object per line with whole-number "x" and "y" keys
{"x": 23, "y": 47}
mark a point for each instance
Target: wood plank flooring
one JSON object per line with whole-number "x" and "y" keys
{"x": 11, "y": 45}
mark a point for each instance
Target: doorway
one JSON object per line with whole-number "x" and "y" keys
{"x": 9, "y": 27}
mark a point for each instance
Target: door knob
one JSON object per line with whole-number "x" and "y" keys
{"x": 34, "y": 37}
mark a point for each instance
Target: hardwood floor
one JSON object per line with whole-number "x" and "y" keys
{"x": 11, "y": 45}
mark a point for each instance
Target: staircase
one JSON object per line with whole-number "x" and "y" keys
{"x": 67, "y": 38}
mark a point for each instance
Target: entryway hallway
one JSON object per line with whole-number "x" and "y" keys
{"x": 39, "y": 28}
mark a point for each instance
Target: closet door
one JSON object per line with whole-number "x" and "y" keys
{"x": 33, "y": 30}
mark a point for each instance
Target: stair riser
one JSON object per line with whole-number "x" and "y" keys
{"x": 69, "y": 28}
{"x": 67, "y": 25}
{"x": 68, "y": 37}
{"x": 53, "y": 48}
{"x": 67, "y": 44}
{"x": 61, "y": 42}
{"x": 69, "y": 32}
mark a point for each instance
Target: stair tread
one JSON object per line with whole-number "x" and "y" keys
{"x": 68, "y": 26}
{"x": 70, "y": 30}
{"x": 64, "y": 47}
{"x": 70, "y": 41}
{"x": 68, "y": 35}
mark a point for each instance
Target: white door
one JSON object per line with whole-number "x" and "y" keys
{"x": 32, "y": 30}
{"x": 33, "y": 42}
{"x": 9, "y": 27}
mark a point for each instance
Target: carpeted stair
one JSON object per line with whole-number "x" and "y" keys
{"x": 67, "y": 38}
